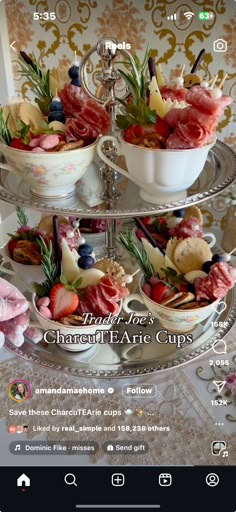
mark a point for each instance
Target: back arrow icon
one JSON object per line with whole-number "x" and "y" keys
{"x": 12, "y": 46}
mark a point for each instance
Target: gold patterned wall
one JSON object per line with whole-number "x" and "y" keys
{"x": 79, "y": 24}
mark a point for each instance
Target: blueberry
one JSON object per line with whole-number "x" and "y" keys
{"x": 73, "y": 72}
{"x": 206, "y": 266}
{"x": 57, "y": 116}
{"x": 55, "y": 106}
{"x": 85, "y": 250}
{"x": 75, "y": 82}
{"x": 216, "y": 258}
{"x": 179, "y": 213}
{"x": 86, "y": 262}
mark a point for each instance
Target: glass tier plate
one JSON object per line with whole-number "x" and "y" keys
{"x": 117, "y": 361}
{"x": 219, "y": 172}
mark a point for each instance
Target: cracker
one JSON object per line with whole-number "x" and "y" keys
{"x": 191, "y": 253}
{"x": 30, "y": 115}
{"x": 170, "y": 248}
{"x": 193, "y": 211}
{"x": 72, "y": 145}
{"x": 14, "y": 109}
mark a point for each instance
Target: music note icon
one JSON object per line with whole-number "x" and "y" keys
{"x": 17, "y": 447}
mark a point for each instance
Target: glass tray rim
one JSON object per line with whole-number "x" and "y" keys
{"x": 87, "y": 212}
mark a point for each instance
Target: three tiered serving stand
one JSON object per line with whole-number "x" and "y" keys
{"x": 121, "y": 200}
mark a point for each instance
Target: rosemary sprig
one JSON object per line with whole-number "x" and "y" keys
{"x": 49, "y": 268}
{"x": 22, "y": 216}
{"x": 5, "y": 135}
{"x": 139, "y": 254}
{"x": 39, "y": 80}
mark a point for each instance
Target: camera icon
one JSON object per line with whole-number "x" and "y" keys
{"x": 220, "y": 45}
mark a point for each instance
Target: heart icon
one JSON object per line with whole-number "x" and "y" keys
{"x": 220, "y": 307}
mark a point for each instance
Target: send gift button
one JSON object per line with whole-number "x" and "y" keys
{"x": 139, "y": 390}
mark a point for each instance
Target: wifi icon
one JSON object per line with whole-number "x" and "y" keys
{"x": 189, "y": 15}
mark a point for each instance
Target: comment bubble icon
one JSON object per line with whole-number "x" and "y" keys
{"x": 219, "y": 347}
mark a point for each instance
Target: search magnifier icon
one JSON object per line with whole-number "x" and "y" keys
{"x": 70, "y": 479}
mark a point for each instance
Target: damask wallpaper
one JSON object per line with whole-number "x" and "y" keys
{"x": 79, "y": 23}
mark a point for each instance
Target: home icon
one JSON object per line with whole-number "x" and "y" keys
{"x": 23, "y": 481}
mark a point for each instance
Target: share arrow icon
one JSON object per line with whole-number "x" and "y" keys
{"x": 219, "y": 384}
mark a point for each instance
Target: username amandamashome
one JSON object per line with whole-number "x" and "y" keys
{"x": 113, "y": 337}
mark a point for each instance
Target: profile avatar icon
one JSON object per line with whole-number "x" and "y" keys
{"x": 19, "y": 390}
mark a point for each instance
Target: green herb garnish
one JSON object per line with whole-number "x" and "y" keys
{"x": 49, "y": 268}
{"x": 137, "y": 111}
{"x": 139, "y": 254}
{"x": 5, "y": 135}
{"x": 38, "y": 78}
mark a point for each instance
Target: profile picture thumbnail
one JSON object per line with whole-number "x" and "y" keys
{"x": 19, "y": 390}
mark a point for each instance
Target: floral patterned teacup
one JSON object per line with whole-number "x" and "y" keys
{"x": 172, "y": 319}
{"x": 49, "y": 174}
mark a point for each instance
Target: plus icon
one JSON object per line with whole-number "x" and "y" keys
{"x": 118, "y": 479}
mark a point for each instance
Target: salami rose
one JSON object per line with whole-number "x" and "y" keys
{"x": 174, "y": 93}
{"x": 201, "y": 98}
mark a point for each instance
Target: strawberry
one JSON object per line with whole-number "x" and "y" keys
{"x": 19, "y": 144}
{"x": 130, "y": 134}
{"x": 12, "y": 244}
{"x": 143, "y": 130}
{"x": 162, "y": 128}
{"x": 63, "y": 302}
{"x": 159, "y": 292}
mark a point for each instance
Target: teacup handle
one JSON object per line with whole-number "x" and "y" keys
{"x": 109, "y": 162}
{"x": 6, "y": 270}
{"x": 212, "y": 239}
{"x": 138, "y": 298}
{"x": 8, "y": 168}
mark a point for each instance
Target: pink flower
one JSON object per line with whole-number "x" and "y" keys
{"x": 231, "y": 383}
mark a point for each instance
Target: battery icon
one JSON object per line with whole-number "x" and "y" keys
{"x": 206, "y": 16}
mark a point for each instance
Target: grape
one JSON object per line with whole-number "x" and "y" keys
{"x": 86, "y": 262}
{"x": 85, "y": 250}
{"x": 207, "y": 266}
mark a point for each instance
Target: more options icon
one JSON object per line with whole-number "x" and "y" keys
{"x": 165, "y": 479}
{"x": 220, "y": 45}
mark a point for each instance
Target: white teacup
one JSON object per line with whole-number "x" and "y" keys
{"x": 27, "y": 273}
{"x": 172, "y": 319}
{"x": 161, "y": 174}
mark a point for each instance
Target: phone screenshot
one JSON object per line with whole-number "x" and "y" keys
{"x": 117, "y": 255}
